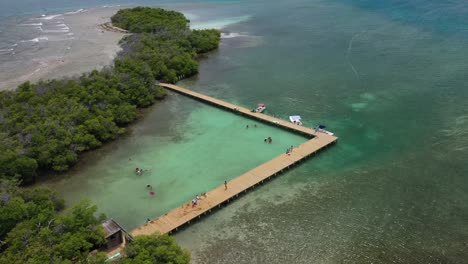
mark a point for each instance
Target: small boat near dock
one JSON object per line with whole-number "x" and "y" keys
{"x": 321, "y": 128}
{"x": 295, "y": 120}
{"x": 260, "y": 108}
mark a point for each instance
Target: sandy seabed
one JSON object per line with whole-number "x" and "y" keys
{"x": 82, "y": 47}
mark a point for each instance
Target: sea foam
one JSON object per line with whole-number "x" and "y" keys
{"x": 56, "y": 31}
{"x": 220, "y": 23}
{"x": 36, "y": 39}
{"x": 76, "y": 12}
{"x": 52, "y": 17}
{"x": 32, "y": 24}
{"x": 227, "y": 35}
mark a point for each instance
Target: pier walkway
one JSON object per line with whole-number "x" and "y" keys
{"x": 182, "y": 215}
{"x": 242, "y": 110}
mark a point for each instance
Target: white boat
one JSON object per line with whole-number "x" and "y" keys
{"x": 325, "y": 131}
{"x": 295, "y": 120}
{"x": 260, "y": 108}
{"x": 321, "y": 128}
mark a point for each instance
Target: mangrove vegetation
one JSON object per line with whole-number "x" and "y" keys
{"x": 44, "y": 126}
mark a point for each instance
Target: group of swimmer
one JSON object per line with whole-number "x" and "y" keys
{"x": 266, "y": 140}
{"x": 247, "y": 126}
{"x": 139, "y": 172}
{"x": 150, "y": 188}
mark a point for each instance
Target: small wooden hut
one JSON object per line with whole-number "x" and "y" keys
{"x": 114, "y": 233}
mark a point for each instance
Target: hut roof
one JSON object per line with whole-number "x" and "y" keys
{"x": 111, "y": 227}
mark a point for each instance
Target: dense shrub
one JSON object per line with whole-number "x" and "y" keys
{"x": 204, "y": 40}
{"x": 33, "y": 230}
{"x": 150, "y": 20}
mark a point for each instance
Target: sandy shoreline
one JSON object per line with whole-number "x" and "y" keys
{"x": 88, "y": 46}
{"x": 72, "y": 43}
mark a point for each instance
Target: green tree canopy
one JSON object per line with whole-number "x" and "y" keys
{"x": 204, "y": 40}
{"x": 17, "y": 205}
{"x": 157, "y": 249}
{"x": 150, "y": 20}
{"x": 33, "y": 231}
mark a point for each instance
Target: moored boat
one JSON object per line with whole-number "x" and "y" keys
{"x": 260, "y": 108}
{"x": 295, "y": 120}
{"x": 321, "y": 128}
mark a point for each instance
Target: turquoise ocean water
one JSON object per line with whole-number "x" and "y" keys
{"x": 388, "y": 77}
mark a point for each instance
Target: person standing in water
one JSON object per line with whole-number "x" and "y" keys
{"x": 247, "y": 127}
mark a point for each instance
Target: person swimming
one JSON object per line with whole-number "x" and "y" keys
{"x": 138, "y": 171}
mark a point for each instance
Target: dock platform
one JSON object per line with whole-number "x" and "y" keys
{"x": 184, "y": 214}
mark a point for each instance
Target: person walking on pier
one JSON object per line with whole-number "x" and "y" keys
{"x": 225, "y": 185}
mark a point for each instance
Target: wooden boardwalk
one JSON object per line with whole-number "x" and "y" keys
{"x": 182, "y": 215}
